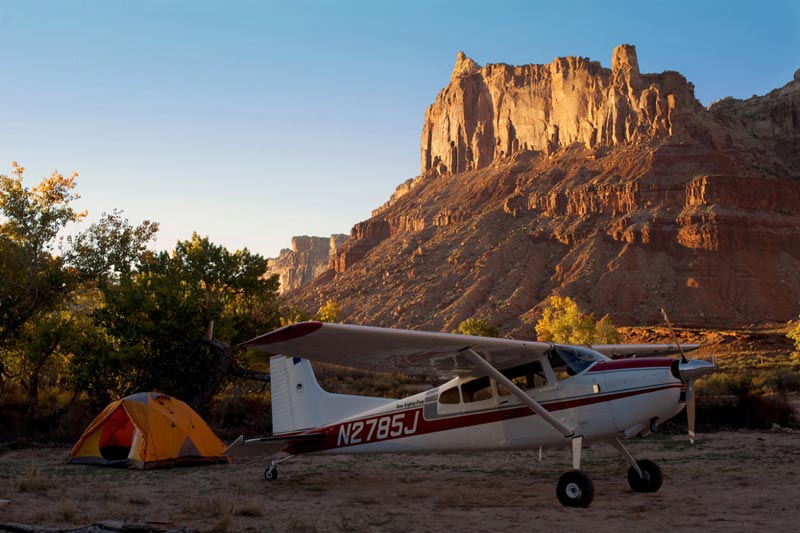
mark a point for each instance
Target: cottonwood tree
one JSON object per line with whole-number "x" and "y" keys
{"x": 175, "y": 320}
{"x": 563, "y": 322}
{"x": 34, "y": 283}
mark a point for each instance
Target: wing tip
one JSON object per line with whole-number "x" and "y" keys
{"x": 286, "y": 333}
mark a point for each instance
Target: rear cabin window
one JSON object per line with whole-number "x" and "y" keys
{"x": 476, "y": 390}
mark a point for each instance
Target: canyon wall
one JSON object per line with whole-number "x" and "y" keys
{"x": 611, "y": 186}
{"x": 307, "y": 258}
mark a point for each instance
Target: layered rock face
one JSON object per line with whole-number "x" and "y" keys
{"x": 492, "y": 112}
{"x": 308, "y": 258}
{"x": 610, "y": 186}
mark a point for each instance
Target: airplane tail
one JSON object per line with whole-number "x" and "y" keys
{"x": 298, "y": 401}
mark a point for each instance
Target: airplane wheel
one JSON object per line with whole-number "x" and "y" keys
{"x": 271, "y": 473}
{"x": 575, "y": 489}
{"x": 651, "y": 477}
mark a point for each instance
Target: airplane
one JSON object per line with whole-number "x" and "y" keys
{"x": 505, "y": 394}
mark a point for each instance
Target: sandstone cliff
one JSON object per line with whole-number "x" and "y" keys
{"x": 492, "y": 112}
{"x": 308, "y": 258}
{"x": 611, "y": 186}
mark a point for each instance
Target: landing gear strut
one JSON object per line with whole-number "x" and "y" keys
{"x": 575, "y": 488}
{"x": 643, "y": 475}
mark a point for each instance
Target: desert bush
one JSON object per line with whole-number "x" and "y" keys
{"x": 476, "y": 326}
{"x": 794, "y": 334}
{"x": 742, "y": 411}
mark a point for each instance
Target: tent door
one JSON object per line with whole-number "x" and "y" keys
{"x": 117, "y": 436}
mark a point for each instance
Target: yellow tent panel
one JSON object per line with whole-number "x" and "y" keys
{"x": 147, "y": 430}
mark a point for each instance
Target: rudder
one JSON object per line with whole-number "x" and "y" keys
{"x": 298, "y": 401}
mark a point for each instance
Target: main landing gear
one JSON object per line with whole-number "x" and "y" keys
{"x": 271, "y": 472}
{"x": 576, "y": 489}
{"x": 650, "y": 478}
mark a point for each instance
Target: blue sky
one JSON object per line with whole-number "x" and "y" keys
{"x": 251, "y": 122}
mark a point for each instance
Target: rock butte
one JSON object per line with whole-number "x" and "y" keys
{"x": 614, "y": 187}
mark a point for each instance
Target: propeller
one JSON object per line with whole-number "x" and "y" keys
{"x": 674, "y": 337}
{"x": 688, "y": 370}
{"x": 690, "y": 408}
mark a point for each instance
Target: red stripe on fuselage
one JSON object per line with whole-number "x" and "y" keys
{"x": 461, "y": 420}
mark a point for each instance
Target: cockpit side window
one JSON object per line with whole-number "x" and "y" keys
{"x": 527, "y": 376}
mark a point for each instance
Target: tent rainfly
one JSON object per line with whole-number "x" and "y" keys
{"x": 147, "y": 430}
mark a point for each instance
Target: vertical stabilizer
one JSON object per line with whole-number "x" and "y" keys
{"x": 298, "y": 402}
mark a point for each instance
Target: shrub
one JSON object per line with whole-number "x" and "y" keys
{"x": 476, "y": 326}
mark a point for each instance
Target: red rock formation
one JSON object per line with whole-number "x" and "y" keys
{"x": 308, "y": 258}
{"x": 611, "y": 186}
{"x": 489, "y": 113}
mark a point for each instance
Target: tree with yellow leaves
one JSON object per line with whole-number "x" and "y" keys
{"x": 563, "y": 322}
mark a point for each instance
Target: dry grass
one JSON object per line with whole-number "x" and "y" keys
{"x": 33, "y": 480}
{"x": 728, "y": 478}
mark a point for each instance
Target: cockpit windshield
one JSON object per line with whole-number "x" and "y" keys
{"x": 576, "y": 358}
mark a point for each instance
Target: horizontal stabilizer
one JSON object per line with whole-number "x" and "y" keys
{"x": 266, "y": 446}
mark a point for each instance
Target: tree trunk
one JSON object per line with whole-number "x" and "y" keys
{"x": 33, "y": 395}
{"x": 223, "y": 354}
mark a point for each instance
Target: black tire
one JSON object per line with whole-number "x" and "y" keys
{"x": 575, "y": 489}
{"x": 651, "y": 477}
{"x": 271, "y": 474}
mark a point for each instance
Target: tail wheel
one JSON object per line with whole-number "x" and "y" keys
{"x": 271, "y": 473}
{"x": 649, "y": 481}
{"x": 575, "y": 489}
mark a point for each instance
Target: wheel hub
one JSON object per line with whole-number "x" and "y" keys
{"x": 573, "y": 491}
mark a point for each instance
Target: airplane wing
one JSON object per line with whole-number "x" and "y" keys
{"x": 394, "y": 350}
{"x": 616, "y": 351}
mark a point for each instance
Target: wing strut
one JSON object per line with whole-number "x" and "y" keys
{"x": 535, "y": 406}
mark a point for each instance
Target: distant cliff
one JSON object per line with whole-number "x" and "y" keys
{"x": 608, "y": 185}
{"x": 308, "y": 258}
{"x": 488, "y": 113}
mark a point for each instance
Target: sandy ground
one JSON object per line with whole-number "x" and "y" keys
{"x": 731, "y": 481}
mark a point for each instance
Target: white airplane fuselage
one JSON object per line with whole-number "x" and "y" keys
{"x": 599, "y": 403}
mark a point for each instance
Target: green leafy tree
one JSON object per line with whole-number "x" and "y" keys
{"x": 173, "y": 322}
{"x": 606, "y": 331}
{"x": 563, "y": 322}
{"x": 34, "y": 283}
{"x": 476, "y": 326}
{"x": 292, "y": 315}
{"x": 110, "y": 248}
{"x": 32, "y": 279}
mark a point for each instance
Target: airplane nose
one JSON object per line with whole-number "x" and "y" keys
{"x": 694, "y": 368}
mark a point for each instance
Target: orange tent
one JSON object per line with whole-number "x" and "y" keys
{"x": 147, "y": 430}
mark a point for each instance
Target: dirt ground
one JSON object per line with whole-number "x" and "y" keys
{"x": 731, "y": 481}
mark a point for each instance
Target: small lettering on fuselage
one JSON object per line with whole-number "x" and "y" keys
{"x": 378, "y": 428}
{"x": 407, "y": 404}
